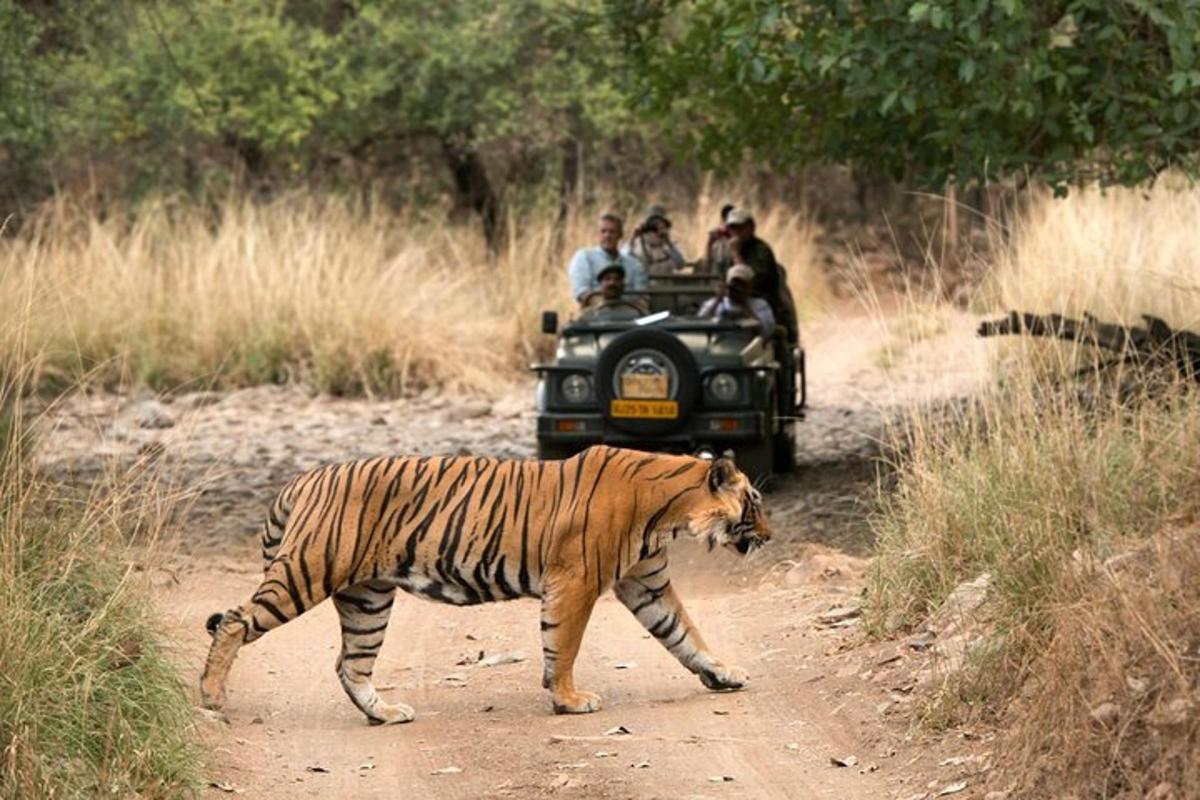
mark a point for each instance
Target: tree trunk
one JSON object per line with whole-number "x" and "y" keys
{"x": 950, "y": 227}
{"x": 568, "y": 180}
{"x": 472, "y": 190}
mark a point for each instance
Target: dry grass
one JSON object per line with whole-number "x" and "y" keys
{"x": 1112, "y": 708}
{"x": 1117, "y": 254}
{"x": 347, "y": 298}
{"x": 1039, "y": 482}
{"x": 90, "y": 704}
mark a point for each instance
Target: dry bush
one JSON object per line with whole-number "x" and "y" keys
{"x": 1016, "y": 485}
{"x": 1112, "y": 707}
{"x": 346, "y": 297}
{"x": 1040, "y": 480}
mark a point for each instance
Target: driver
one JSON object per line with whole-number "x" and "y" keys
{"x": 735, "y": 301}
{"x": 609, "y": 302}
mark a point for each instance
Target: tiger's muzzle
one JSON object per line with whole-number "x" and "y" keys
{"x": 747, "y": 537}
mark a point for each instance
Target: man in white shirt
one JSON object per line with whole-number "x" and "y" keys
{"x": 736, "y": 302}
{"x": 588, "y": 262}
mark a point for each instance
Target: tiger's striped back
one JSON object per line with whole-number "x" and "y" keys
{"x": 470, "y": 530}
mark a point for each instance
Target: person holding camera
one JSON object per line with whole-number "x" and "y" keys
{"x": 651, "y": 244}
{"x": 735, "y": 300}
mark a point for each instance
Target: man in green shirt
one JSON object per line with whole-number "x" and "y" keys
{"x": 770, "y": 280}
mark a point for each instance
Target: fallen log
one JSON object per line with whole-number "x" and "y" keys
{"x": 1156, "y": 345}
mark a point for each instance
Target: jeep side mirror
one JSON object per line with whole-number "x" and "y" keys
{"x": 549, "y": 322}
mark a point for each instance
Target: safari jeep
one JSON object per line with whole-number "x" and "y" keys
{"x": 670, "y": 381}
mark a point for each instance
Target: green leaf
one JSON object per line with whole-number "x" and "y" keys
{"x": 918, "y": 11}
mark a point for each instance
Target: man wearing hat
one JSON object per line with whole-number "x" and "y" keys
{"x": 609, "y": 302}
{"x": 770, "y": 282}
{"x": 737, "y": 302}
{"x": 587, "y": 263}
{"x": 651, "y": 244}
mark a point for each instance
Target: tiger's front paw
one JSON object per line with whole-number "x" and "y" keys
{"x": 576, "y": 703}
{"x": 722, "y": 678}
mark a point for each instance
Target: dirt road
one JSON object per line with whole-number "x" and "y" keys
{"x": 488, "y": 731}
{"x": 817, "y": 692}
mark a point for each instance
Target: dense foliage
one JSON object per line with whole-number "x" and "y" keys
{"x": 1068, "y": 91}
{"x": 185, "y": 95}
{"x": 477, "y": 102}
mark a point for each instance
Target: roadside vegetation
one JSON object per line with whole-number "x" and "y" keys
{"x": 346, "y": 298}
{"x": 90, "y": 703}
{"x": 1079, "y": 497}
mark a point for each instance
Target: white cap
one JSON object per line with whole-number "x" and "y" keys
{"x": 739, "y": 216}
{"x": 740, "y": 271}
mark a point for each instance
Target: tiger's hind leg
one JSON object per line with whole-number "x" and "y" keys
{"x": 277, "y": 600}
{"x": 648, "y": 593}
{"x": 363, "y": 610}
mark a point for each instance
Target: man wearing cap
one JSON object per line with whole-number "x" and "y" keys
{"x": 587, "y": 263}
{"x": 651, "y": 244}
{"x": 609, "y": 303}
{"x": 769, "y": 279}
{"x": 737, "y": 302}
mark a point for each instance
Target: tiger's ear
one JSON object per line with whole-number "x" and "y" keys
{"x": 721, "y": 474}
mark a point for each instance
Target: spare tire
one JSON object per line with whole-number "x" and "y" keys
{"x": 647, "y": 351}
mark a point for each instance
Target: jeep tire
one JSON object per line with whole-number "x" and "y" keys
{"x": 687, "y": 388}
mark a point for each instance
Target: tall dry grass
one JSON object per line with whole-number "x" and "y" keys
{"x": 90, "y": 703}
{"x": 347, "y": 297}
{"x": 1118, "y": 254}
{"x": 1044, "y": 484}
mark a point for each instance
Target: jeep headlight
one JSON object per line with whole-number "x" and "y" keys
{"x": 576, "y": 389}
{"x": 724, "y": 387}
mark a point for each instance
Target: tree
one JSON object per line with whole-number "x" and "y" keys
{"x": 474, "y": 73}
{"x": 26, "y": 128}
{"x": 1067, "y": 91}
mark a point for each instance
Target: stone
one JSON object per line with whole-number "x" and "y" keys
{"x": 1106, "y": 714}
{"x": 1162, "y": 791}
{"x": 1172, "y": 713}
{"x": 200, "y": 399}
{"x": 151, "y": 414}
{"x": 471, "y": 409}
{"x": 962, "y": 604}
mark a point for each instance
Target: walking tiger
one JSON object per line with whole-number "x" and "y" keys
{"x": 466, "y": 530}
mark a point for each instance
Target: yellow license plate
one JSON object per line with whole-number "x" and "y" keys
{"x": 644, "y": 387}
{"x": 644, "y": 409}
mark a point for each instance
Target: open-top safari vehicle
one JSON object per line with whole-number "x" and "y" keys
{"x": 670, "y": 381}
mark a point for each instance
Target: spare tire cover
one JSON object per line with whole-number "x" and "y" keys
{"x": 647, "y": 351}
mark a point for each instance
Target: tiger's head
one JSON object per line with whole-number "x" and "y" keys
{"x": 733, "y": 515}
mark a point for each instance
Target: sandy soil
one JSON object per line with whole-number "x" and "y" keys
{"x": 817, "y": 691}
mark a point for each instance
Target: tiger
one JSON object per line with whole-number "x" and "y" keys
{"x": 467, "y": 530}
